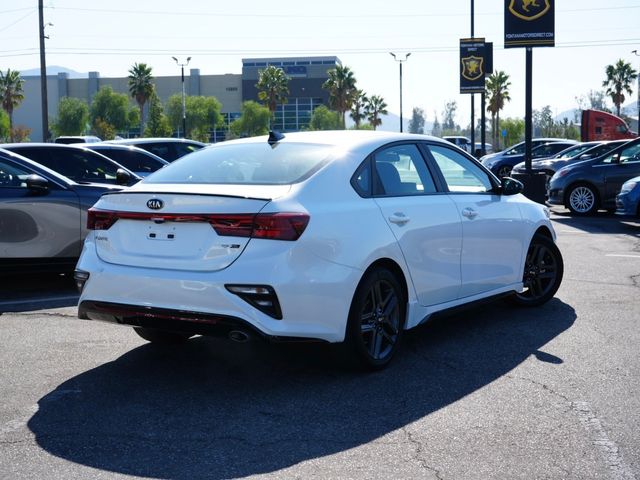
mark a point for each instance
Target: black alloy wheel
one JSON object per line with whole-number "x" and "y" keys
{"x": 376, "y": 319}
{"x": 543, "y": 270}
{"x": 161, "y": 337}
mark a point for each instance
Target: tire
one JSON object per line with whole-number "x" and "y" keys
{"x": 504, "y": 170}
{"x": 161, "y": 337}
{"x": 543, "y": 270}
{"x": 582, "y": 199}
{"x": 376, "y": 320}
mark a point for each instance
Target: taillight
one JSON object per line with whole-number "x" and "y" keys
{"x": 100, "y": 219}
{"x": 271, "y": 226}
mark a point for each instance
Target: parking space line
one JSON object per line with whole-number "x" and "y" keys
{"x": 621, "y": 255}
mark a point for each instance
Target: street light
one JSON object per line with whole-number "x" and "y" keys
{"x": 635, "y": 52}
{"x": 184, "y": 101}
{"x": 400, "y": 61}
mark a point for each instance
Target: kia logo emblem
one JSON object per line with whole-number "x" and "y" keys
{"x": 155, "y": 204}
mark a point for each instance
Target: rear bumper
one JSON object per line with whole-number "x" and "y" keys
{"x": 194, "y": 323}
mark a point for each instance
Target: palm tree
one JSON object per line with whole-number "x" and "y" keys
{"x": 11, "y": 94}
{"x": 358, "y": 108}
{"x": 273, "y": 87}
{"x": 619, "y": 79}
{"x": 497, "y": 91}
{"x": 375, "y": 107}
{"x": 140, "y": 87}
{"x": 341, "y": 85}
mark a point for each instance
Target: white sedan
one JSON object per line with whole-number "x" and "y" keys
{"x": 347, "y": 236}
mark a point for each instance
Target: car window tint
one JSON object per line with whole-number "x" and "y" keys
{"x": 460, "y": 173}
{"x": 362, "y": 179}
{"x": 134, "y": 161}
{"x": 183, "y": 148}
{"x": 161, "y": 150}
{"x": 401, "y": 170}
{"x": 247, "y": 164}
{"x": 12, "y": 176}
{"x": 630, "y": 154}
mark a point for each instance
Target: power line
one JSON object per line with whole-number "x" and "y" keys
{"x": 18, "y": 20}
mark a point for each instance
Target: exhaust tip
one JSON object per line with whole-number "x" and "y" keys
{"x": 239, "y": 336}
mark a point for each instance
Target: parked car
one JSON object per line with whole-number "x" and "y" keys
{"x": 573, "y": 154}
{"x": 138, "y": 160}
{"x": 587, "y": 186}
{"x": 463, "y": 142}
{"x": 628, "y": 200}
{"x": 69, "y": 139}
{"x": 259, "y": 237}
{"x": 168, "y": 149}
{"x": 488, "y": 149}
{"x": 501, "y": 165}
{"x": 43, "y": 216}
{"x": 78, "y": 164}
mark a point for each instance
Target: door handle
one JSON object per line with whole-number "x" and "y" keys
{"x": 470, "y": 213}
{"x": 399, "y": 218}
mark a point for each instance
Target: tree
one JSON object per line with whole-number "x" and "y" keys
{"x": 341, "y": 86}
{"x": 497, "y": 93}
{"x": 436, "y": 130}
{"x": 619, "y": 79}
{"x": 514, "y": 128}
{"x": 543, "y": 123}
{"x": 202, "y": 114}
{"x": 449, "y": 116}
{"x": 273, "y": 87}
{"x": 158, "y": 123}
{"x": 325, "y": 119}
{"x": 109, "y": 112}
{"x": 375, "y": 107}
{"x": 11, "y": 94}
{"x": 594, "y": 100}
{"x": 73, "y": 117}
{"x": 416, "y": 124}
{"x": 5, "y": 130}
{"x": 358, "y": 108}
{"x": 140, "y": 87}
{"x": 253, "y": 121}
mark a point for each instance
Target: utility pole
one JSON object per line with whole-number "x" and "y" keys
{"x": 635, "y": 52}
{"x": 184, "y": 101}
{"x": 400, "y": 61}
{"x": 473, "y": 103}
{"x": 43, "y": 76}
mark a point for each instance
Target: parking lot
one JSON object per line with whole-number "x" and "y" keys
{"x": 494, "y": 392}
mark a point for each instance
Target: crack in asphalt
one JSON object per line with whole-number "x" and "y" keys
{"x": 598, "y": 437}
{"x": 417, "y": 454}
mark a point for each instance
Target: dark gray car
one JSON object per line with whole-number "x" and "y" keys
{"x": 590, "y": 185}
{"x": 78, "y": 164}
{"x": 138, "y": 160}
{"x": 42, "y": 216}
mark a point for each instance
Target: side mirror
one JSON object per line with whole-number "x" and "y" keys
{"x": 122, "y": 177}
{"x": 511, "y": 186}
{"x": 37, "y": 184}
{"x": 615, "y": 158}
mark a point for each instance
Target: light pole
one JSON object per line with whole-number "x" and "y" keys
{"x": 635, "y": 52}
{"x": 184, "y": 101}
{"x": 400, "y": 61}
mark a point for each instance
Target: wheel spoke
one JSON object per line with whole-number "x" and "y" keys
{"x": 376, "y": 344}
{"x": 392, "y": 303}
{"x": 366, "y": 328}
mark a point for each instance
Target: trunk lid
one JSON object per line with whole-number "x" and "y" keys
{"x": 177, "y": 229}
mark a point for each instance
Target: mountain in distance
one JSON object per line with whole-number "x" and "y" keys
{"x": 53, "y": 70}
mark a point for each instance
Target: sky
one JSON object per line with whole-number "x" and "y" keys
{"x": 109, "y": 37}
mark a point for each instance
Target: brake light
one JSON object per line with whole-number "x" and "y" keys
{"x": 272, "y": 226}
{"x": 100, "y": 219}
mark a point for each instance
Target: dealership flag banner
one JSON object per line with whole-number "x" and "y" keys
{"x": 529, "y": 23}
{"x": 472, "y": 65}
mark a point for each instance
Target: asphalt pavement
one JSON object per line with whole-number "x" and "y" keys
{"x": 495, "y": 392}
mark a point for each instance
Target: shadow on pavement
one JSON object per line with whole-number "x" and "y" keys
{"x": 24, "y": 293}
{"x": 216, "y": 409}
{"x": 599, "y": 223}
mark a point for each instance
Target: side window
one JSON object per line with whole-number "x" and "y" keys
{"x": 160, "y": 150}
{"x": 12, "y": 176}
{"x": 401, "y": 170}
{"x": 361, "y": 180}
{"x": 183, "y": 149}
{"x": 630, "y": 154}
{"x": 460, "y": 173}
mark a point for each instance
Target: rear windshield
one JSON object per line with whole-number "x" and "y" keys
{"x": 246, "y": 164}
